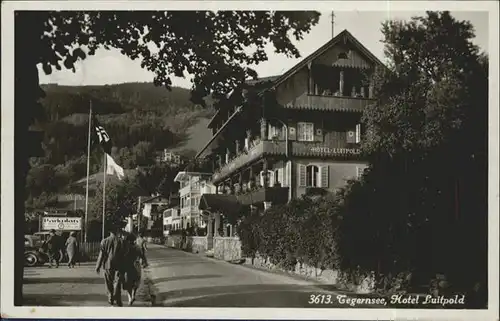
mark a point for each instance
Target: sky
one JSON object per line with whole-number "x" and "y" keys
{"x": 111, "y": 67}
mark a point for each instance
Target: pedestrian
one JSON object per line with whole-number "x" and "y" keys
{"x": 72, "y": 249}
{"x": 111, "y": 258}
{"x": 131, "y": 268}
{"x": 53, "y": 246}
{"x": 142, "y": 244}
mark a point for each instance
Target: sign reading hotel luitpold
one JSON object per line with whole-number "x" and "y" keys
{"x": 62, "y": 223}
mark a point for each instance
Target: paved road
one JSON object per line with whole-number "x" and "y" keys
{"x": 187, "y": 280}
{"x": 176, "y": 278}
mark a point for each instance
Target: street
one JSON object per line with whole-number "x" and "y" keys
{"x": 178, "y": 279}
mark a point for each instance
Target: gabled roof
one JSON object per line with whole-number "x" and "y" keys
{"x": 275, "y": 81}
{"x": 185, "y": 175}
{"x": 344, "y": 36}
{"x": 156, "y": 199}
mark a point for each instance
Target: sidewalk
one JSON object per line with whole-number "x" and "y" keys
{"x": 81, "y": 286}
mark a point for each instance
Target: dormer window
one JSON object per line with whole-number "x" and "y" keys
{"x": 342, "y": 55}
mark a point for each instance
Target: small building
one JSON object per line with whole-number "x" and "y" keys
{"x": 171, "y": 220}
{"x": 190, "y": 191}
{"x": 152, "y": 209}
{"x": 168, "y": 156}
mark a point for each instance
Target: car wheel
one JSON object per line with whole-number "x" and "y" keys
{"x": 30, "y": 259}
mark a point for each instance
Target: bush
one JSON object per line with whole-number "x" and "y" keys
{"x": 300, "y": 231}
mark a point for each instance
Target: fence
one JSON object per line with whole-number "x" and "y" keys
{"x": 89, "y": 251}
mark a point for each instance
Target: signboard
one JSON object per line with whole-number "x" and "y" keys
{"x": 62, "y": 223}
{"x": 336, "y": 151}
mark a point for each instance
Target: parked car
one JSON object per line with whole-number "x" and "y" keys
{"x": 43, "y": 236}
{"x": 33, "y": 256}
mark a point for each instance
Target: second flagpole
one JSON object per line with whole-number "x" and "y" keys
{"x": 104, "y": 198}
{"x": 88, "y": 173}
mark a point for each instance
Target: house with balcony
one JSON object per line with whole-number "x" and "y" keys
{"x": 294, "y": 134}
{"x": 171, "y": 220}
{"x": 192, "y": 184}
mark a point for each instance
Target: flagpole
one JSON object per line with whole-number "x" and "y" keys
{"x": 104, "y": 197}
{"x": 88, "y": 173}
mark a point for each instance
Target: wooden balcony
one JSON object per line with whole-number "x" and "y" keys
{"x": 276, "y": 195}
{"x": 328, "y": 149}
{"x": 255, "y": 152}
{"x": 333, "y": 103}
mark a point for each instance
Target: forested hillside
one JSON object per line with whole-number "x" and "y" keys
{"x": 140, "y": 118}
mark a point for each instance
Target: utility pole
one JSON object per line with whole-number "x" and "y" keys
{"x": 139, "y": 215}
{"x": 333, "y": 24}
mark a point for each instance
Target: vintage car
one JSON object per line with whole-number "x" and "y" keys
{"x": 33, "y": 256}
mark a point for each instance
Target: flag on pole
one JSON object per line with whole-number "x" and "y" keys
{"x": 112, "y": 168}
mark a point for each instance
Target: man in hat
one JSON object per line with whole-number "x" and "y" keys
{"x": 53, "y": 246}
{"x": 111, "y": 258}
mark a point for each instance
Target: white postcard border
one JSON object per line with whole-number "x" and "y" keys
{"x": 7, "y": 191}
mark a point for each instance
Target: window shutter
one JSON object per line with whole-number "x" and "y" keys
{"x": 318, "y": 135}
{"x": 270, "y": 178}
{"x": 351, "y": 137}
{"x": 358, "y": 133}
{"x": 292, "y": 131}
{"x": 323, "y": 176}
{"x": 280, "y": 176}
{"x": 302, "y": 175}
{"x": 261, "y": 176}
{"x": 287, "y": 171}
{"x": 300, "y": 131}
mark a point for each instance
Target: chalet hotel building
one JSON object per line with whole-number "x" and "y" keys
{"x": 301, "y": 133}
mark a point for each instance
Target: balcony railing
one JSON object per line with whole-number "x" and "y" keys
{"x": 334, "y": 103}
{"x": 329, "y": 148}
{"x": 276, "y": 195}
{"x": 262, "y": 147}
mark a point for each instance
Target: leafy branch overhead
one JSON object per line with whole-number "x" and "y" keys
{"x": 217, "y": 48}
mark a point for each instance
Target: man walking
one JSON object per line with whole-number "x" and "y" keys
{"x": 111, "y": 259}
{"x": 142, "y": 245}
{"x": 53, "y": 246}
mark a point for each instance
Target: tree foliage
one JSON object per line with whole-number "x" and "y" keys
{"x": 427, "y": 185}
{"x": 217, "y": 48}
{"x": 121, "y": 200}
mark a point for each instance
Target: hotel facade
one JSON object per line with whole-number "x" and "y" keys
{"x": 297, "y": 133}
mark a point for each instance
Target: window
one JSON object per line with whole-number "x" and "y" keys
{"x": 305, "y": 132}
{"x": 270, "y": 178}
{"x": 342, "y": 55}
{"x": 312, "y": 176}
{"x": 274, "y": 131}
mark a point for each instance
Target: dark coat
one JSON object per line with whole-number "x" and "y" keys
{"x": 54, "y": 244}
